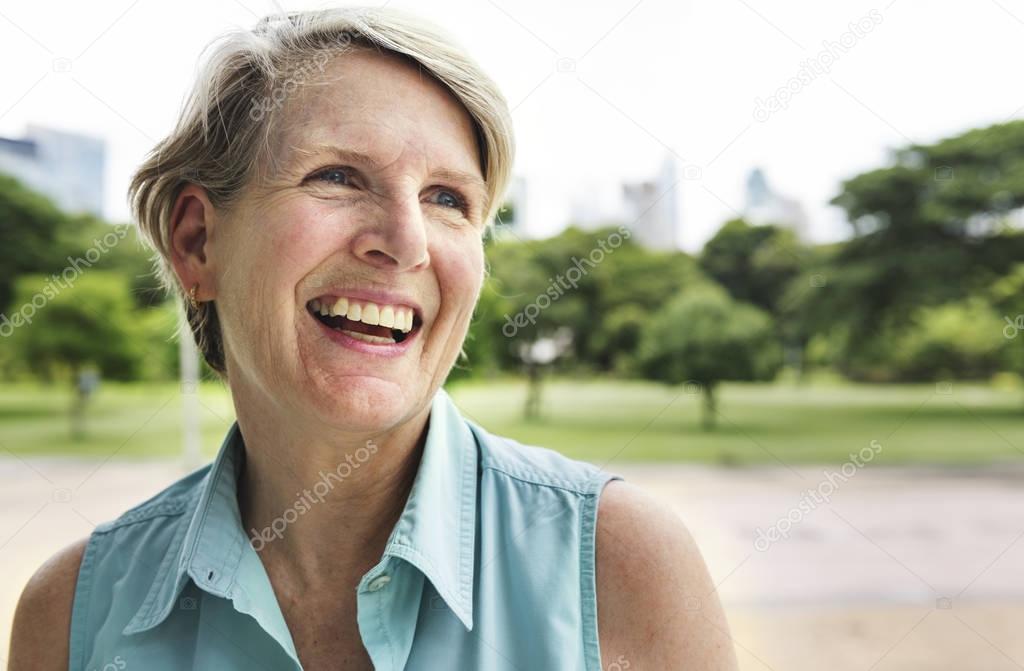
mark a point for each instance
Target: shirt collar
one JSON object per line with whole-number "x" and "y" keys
{"x": 436, "y": 531}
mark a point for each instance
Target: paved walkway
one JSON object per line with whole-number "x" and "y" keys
{"x": 871, "y": 568}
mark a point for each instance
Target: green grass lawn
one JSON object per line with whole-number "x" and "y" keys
{"x": 598, "y": 420}
{"x": 637, "y": 421}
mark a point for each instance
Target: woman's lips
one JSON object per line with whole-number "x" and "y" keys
{"x": 366, "y": 338}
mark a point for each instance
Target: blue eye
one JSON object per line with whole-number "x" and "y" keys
{"x": 332, "y": 176}
{"x": 453, "y": 200}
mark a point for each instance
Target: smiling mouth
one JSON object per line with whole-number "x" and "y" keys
{"x": 366, "y": 321}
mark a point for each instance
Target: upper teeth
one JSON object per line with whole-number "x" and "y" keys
{"x": 390, "y": 316}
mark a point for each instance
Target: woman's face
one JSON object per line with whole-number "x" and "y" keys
{"x": 374, "y": 195}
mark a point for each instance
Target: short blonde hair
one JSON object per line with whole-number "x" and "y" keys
{"x": 223, "y": 135}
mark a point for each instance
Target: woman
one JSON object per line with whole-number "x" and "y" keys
{"x": 321, "y": 207}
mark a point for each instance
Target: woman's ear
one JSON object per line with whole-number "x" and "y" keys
{"x": 192, "y": 222}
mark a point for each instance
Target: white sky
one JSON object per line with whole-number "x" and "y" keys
{"x": 650, "y": 76}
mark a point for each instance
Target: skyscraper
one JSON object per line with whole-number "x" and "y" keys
{"x": 66, "y": 167}
{"x": 766, "y": 206}
{"x": 652, "y": 208}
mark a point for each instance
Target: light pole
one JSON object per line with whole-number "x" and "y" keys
{"x": 188, "y": 357}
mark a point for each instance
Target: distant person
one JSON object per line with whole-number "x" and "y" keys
{"x": 86, "y": 383}
{"x": 321, "y": 207}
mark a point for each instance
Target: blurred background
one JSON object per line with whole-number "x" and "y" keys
{"x": 765, "y": 260}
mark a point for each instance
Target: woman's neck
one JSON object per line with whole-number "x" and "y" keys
{"x": 319, "y": 510}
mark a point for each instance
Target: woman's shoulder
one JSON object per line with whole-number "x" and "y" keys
{"x": 650, "y": 572}
{"x": 536, "y": 465}
{"x": 42, "y": 621}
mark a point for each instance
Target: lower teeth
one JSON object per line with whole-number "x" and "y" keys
{"x": 376, "y": 340}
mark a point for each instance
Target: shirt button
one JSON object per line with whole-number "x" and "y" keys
{"x": 378, "y": 583}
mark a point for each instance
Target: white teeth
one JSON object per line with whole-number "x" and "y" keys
{"x": 388, "y": 316}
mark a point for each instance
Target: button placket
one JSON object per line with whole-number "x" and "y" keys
{"x": 373, "y": 613}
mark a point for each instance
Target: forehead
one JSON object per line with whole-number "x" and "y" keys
{"x": 381, "y": 105}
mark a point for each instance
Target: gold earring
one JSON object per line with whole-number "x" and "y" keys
{"x": 193, "y": 303}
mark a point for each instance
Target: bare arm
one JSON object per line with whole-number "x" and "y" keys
{"x": 657, "y": 607}
{"x": 42, "y": 622}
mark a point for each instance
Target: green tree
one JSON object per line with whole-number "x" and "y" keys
{"x": 931, "y": 229}
{"x": 704, "y": 337}
{"x": 121, "y": 251}
{"x": 484, "y": 344}
{"x": 89, "y": 323}
{"x": 30, "y": 226}
{"x": 632, "y": 285}
{"x": 753, "y": 263}
{"x": 960, "y": 340}
{"x": 593, "y": 283}
{"x": 1007, "y": 297}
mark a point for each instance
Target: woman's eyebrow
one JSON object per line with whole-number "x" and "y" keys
{"x": 467, "y": 179}
{"x": 345, "y": 155}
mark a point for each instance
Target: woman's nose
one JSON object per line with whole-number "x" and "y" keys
{"x": 396, "y": 239}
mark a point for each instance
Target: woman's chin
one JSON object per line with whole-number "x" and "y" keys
{"x": 361, "y": 403}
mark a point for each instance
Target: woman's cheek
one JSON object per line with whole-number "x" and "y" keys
{"x": 300, "y": 232}
{"x": 464, "y": 256}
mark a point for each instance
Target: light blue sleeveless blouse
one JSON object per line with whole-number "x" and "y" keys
{"x": 490, "y": 566}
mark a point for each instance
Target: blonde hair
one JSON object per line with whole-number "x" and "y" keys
{"x": 223, "y": 135}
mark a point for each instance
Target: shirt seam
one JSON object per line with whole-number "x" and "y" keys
{"x": 467, "y": 519}
{"x": 174, "y": 508}
{"x": 541, "y": 480}
{"x": 588, "y": 571}
{"x": 80, "y": 606}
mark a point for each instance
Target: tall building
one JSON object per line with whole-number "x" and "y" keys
{"x": 765, "y": 206}
{"x": 66, "y": 167}
{"x": 652, "y": 209}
